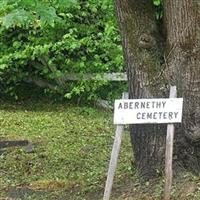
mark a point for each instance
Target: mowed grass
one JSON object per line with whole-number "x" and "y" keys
{"x": 72, "y": 147}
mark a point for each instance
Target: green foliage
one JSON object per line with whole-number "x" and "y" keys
{"x": 49, "y": 39}
{"x": 157, "y": 2}
{"x": 24, "y": 13}
{"x": 159, "y": 9}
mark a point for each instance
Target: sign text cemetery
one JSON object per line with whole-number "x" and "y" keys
{"x": 144, "y": 111}
{"x": 141, "y": 111}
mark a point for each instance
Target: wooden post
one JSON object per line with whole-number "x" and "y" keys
{"x": 169, "y": 152}
{"x": 114, "y": 157}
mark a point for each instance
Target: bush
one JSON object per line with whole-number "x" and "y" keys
{"x": 42, "y": 42}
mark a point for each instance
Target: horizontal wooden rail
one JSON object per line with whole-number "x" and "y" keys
{"x": 77, "y": 77}
{"x": 95, "y": 76}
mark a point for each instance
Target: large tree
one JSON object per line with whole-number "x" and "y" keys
{"x": 157, "y": 55}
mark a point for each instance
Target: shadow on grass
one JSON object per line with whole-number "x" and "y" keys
{"x": 24, "y": 193}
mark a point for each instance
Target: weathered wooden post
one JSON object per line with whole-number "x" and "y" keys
{"x": 169, "y": 152}
{"x": 114, "y": 157}
{"x": 144, "y": 111}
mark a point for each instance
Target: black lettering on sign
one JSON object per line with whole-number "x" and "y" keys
{"x": 158, "y": 104}
{"x": 148, "y": 105}
{"x": 142, "y": 105}
{"x": 154, "y": 115}
{"x": 160, "y": 115}
{"x": 170, "y": 115}
{"x": 153, "y": 102}
{"x": 176, "y": 114}
{"x": 125, "y": 105}
{"x": 149, "y": 115}
{"x": 164, "y": 102}
{"x": 165, "y": 115}
{"x": 120, "y": 106}
{"x": 131, "y": 105}
{"x": 138, "y": 115}
{"x": 136, "y": 105}
{"x": 143, "y": 115}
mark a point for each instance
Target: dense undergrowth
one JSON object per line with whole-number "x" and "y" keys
{"x": 44, "y": 42}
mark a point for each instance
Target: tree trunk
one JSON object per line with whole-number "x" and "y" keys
{"x": 182, "y": 55}
{"x": 154, "y": 62}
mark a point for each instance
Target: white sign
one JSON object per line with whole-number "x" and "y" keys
{"x": 143, "y": 111}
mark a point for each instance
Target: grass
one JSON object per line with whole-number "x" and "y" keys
{"x": 72, "y": 146}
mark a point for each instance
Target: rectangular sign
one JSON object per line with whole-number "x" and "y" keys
{"x": 144, "y": 111}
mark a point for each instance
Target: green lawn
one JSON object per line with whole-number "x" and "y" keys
{"x": 72, "y": 147}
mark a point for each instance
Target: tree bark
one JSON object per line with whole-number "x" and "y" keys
{"x": 154, "y": 62}
{"x": 142, "y": 44}
{"x": 182, "y": 55}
